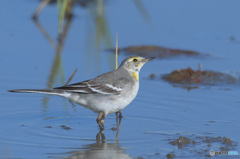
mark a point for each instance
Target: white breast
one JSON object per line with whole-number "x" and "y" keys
{"x": 126, "y": 98}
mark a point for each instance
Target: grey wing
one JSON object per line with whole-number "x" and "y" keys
{"x": 93, "y": 87}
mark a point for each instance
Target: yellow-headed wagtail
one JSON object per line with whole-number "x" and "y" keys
{"x": 105, "y": 94}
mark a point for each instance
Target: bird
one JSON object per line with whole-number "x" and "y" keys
{"x": 107, "y": 93}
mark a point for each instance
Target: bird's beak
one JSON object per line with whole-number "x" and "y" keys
{"x": 147, "y": 59}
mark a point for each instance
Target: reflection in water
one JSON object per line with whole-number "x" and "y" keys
{"x": 70, "y": 4}
{"x": 45, "y": 34}
{"x": 158, "y": 51}
{"x": 57, "y": 68}
{"x": 98, "y": 38}
{"x": 102, "y": 34}
{"x": 98, "y": 35}
{"x": 102, "y": 148}
{"x": 143, "y": 11}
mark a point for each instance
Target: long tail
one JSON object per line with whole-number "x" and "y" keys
{"x": 44, "y": 91}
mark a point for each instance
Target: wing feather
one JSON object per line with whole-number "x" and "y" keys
{"x": 90, "y": 87}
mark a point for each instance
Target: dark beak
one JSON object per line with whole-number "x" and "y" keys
{"x": 148, "y": 59}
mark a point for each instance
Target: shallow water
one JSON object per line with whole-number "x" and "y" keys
{"x": 41, "y": 126}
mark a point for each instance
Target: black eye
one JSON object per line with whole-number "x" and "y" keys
{"x": 135, "y": 60}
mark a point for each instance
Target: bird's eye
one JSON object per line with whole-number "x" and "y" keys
{"x": 135, "y": 60}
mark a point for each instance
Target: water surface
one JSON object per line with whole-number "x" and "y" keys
{"x": 42, "y": 126}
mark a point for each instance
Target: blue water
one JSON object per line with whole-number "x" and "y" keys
{"x": 31, "y": 123}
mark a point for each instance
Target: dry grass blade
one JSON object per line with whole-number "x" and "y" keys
{"x": 71, "y": 77}
{"x": 116, "y": 50}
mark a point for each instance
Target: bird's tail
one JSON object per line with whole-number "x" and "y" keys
{"x": 44, "y": 91}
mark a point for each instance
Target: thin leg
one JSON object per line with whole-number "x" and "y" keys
{"x": 119, "y": 114}
{"x": 118, "y": 119}
{"x": 100, "y": 119}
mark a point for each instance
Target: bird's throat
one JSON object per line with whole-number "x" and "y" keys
{"x": 135, "y": 75}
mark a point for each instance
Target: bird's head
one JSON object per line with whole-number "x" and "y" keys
{"x": 133, "y": 64}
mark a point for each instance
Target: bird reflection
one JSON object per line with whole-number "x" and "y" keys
{"x": 102, "y": 148}
{"x": 99, "y": 150}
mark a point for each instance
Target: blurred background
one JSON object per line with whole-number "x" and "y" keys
{"x": 43, "y": 42}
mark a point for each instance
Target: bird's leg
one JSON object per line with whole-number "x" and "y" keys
{"x": 100, "y": 119}
{"x": 119, "y": 114}
{"x": 118, "y": 119}
{"x": 119, "y": 122}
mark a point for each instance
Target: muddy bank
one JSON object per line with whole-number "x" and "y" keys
{"x": 206, "y": 77}
{"x": 189, "y": 78}
{"x": 157, "y": 51}
{"x": 202, "y": 145}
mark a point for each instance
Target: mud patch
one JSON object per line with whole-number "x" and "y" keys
{"x": 190, "y": 78}
{"x": 48, "y": 127}
{"x": 181, "y": 141}
{"x": 202, "y": 145}
{"x": 157, "y": 51}
{"x": 170, "y": 155}
{"x": 65, "y": 127}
